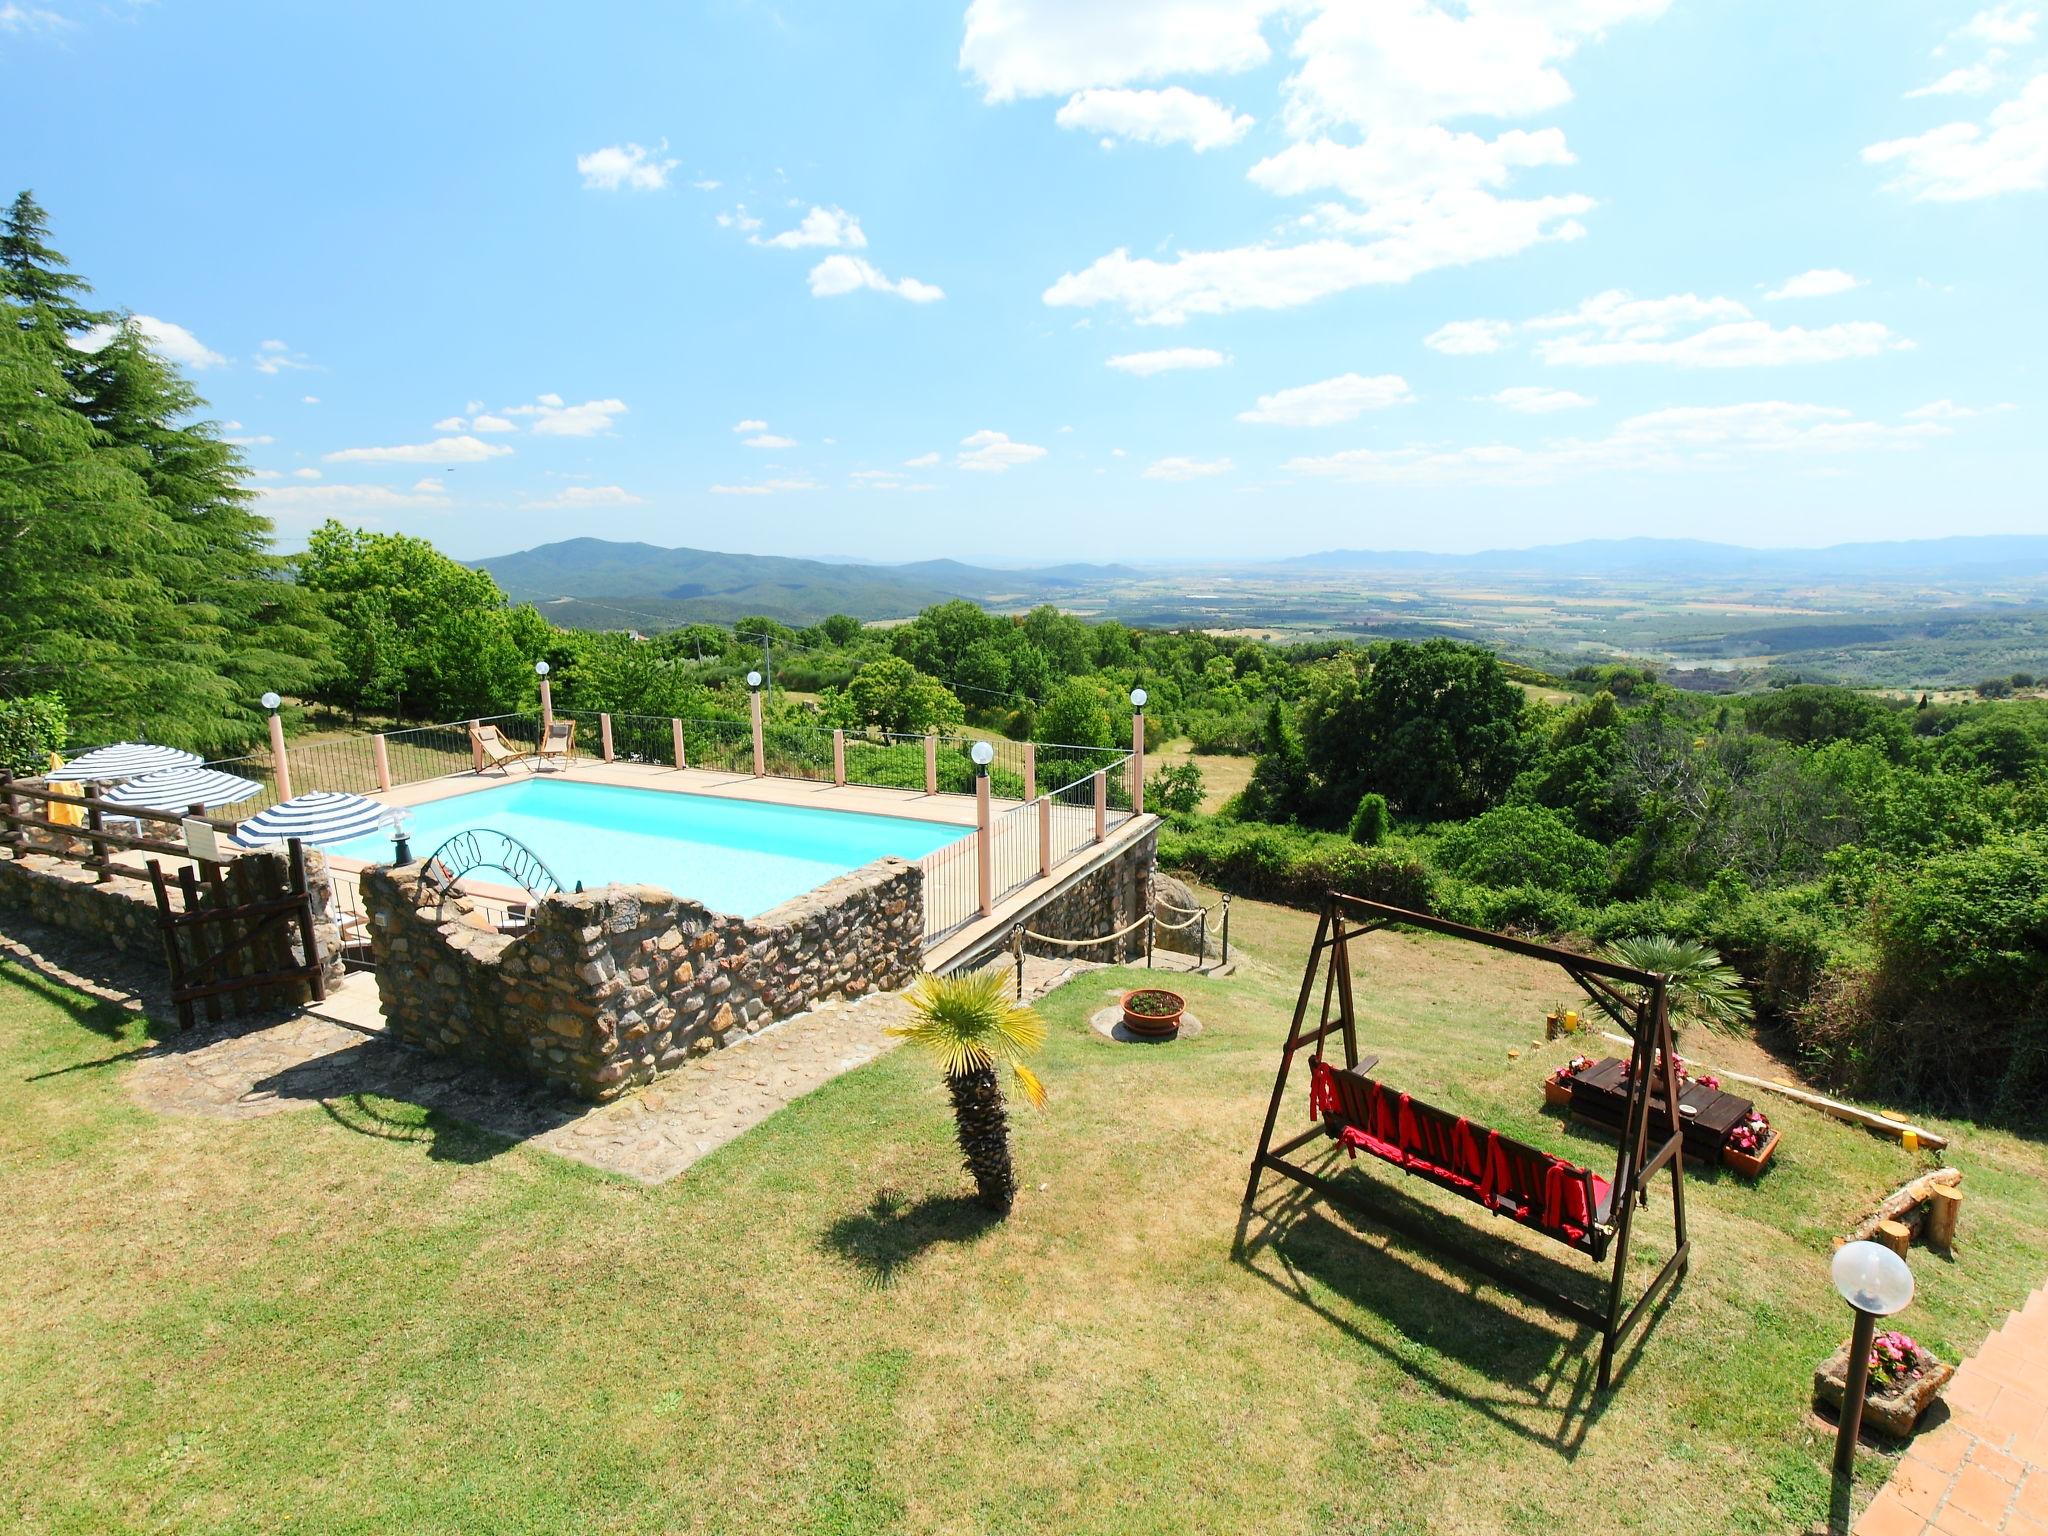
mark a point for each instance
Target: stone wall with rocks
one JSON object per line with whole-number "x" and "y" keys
{"x": 609, "y": 988}
{"x": 120, "y": 913}
{"x": 1108, "y": 897}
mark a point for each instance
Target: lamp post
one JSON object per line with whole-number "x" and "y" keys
{"x": 1876, "y": 1283}
{"x": 279, "y": 763}
{"x": 547, "y": 697}
{"x": 1138, "y": 697}
{"x": 754, "y": 714}
{"x": 401, "y": 839}
{"x": 983, "y": 754}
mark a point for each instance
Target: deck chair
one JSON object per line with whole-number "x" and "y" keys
{"x": 492, "y": 750}
{"x": 557, "y": 744}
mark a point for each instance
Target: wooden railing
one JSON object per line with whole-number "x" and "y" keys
{"x": 19, "y": 799}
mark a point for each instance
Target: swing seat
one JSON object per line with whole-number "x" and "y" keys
{"x": 1543, "y": 1192}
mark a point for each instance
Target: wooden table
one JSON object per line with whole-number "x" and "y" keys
{"x": 1600, "y": 1095}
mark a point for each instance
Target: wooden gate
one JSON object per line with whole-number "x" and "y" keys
{"x": 233, "y": 938}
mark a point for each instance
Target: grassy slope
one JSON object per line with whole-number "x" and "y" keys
{"x": 373, "y": 1319}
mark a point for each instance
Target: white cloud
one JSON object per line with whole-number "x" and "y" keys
{"x": 30, "y": 18}
{"x": 848, "y": 274}
{"x": 443, "y": 450}
{"x": 572, "y": 497}
{"x": 483, "y": 423}
{"x": 628, "y": 166}
{"x": 1693, "y": 332}
{"x": 1948, "y": 410}
{"x": 274, "y": 356}
{"x": 994, "y": 452}
{"x": 1535, "y": 400}
{"x": 740, "y": 220}
{"x": 1690, "y": 438}
{"x": 1469, "y": 338}
{"x": 309, "y": 399}
{"x": 1166, "y": 360}
{"x": 765, "y": 488}
{"x": 1407, "y": 162}
{"x": 1179, "y": 469}
{"x": 319, "y": 501}
{"x": 922, "y": 461}
{"x": 1333, "y": 400}
{"x": 1967, "y": 80}
{"x": 1175, "y": 115}
{"x": 429, "y": 486}
{"x": 254, "y": 440}
{"x": 307, "y": 473}
{"x": 821, "y": 226}
{"x": 750, "y": 425}
{"x": 887, "y": 480}
{"x": 1959, "y": 162}
{"x": 2007, "y": 25}
{"x": 554, "y": 418}
{"x": 1054, "y": 47}
{"x": 707, "y": 184}
{"x": 1820, "y": 283}
{"x": 166, "y": 338}
{"x": 769, "y": 440}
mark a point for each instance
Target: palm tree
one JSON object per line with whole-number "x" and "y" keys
{"x": 969, "y": 1027}
{"x": 1701, "y": 982}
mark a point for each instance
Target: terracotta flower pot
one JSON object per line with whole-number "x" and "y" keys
{"x": 1157, "y": 1016}
{"x": 1750, "y": 1164}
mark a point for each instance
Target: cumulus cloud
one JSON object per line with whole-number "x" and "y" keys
{"x": 1535, "y": 400}
{"x": 994, "y": 452}
{"x": 1333, "y": 400}
{"x": 765, "y": 487}
{"x": 922, "y": 461}
{"x": 572, "y": 497}
{"x": 1175, "y": 115}
{"x": 1166, "y": 360}
{"x": 888, "y": 480}
{"x": 1689, "y": 331}
{"x": 274, "y": 356}
{"x": 443, "y": 450}
{"x": 1948, "y": 410}
{"x": 1820, "y": 283}
{"x": 1469, "y": 338}
{"x": 554, "y": 417}
{"x": 821, "y": 226}
{"x": 750, "y": 425}
{"x": 769, "y": 440}
{"x": 1964, "y": 161}
{"x": 166, "y": 338}
{"x": 1688, "y": 438}
{"x": 837, "y": 275}
{"x": 310, "y": 503}
{"x": 1019, "y": 48}
{"x": 1187, "y": 469}
{"x": 628, "y": 167}
{"x": 484, "y": 422}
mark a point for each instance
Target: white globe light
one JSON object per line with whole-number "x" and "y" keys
{"x": 271, "y": 701}
{"x": 541, "y": 667}
{"x": 982, "y": 753}
{"x": 1873, "y": 1279}
{"x": 1138, "y": 697}
{"x": 753, "y": 679}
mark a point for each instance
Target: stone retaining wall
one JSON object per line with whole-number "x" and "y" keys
{"x": 609, "y": 988}
{"x": 120, "y": 914}
{"x": 1105, "y": 899}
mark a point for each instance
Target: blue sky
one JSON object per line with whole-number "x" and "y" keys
{"x": 1034, "y": 281}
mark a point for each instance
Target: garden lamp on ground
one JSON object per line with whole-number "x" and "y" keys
{"x": 401, "y": 835}
{"x": 1876, "y": 1283}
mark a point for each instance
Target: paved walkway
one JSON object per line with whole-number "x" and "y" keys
{"x": 1986, "y": 1469}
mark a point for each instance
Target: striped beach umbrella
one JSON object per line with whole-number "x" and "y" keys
{"x": 174, "y": 789}
{"x": 126, "y": 760}
{"x": 320, "y": 817}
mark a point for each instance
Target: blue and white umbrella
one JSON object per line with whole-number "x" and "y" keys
{"x": 127, "y": 760}
{"x": 320, "y": 816}
{"x": 174, "y": 789}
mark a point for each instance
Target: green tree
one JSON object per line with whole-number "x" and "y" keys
{"x": 1370, "y": 822}
{"x": 1176, "y": 789}
{"x": 840, "y": 628}
{"x": 1076, "y": 714}
{"x": 1279, "y": 785}
{"x": 1524, "y": 845}
{"x": 891, "y": 694}
{"x": 31, "y": 728}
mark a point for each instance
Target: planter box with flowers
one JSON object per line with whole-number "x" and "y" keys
{"x": 1904, "y": 1381}
{"x": 1750, "y": 1145}
{"x": 1557, "y": 1088}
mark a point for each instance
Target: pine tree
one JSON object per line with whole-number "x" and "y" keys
{"x": 36, "y": 278}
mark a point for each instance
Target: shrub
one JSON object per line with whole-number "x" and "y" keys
{"x": 1514, "y": 845}
{"x": 1288, "y": 864}
{"x": 1176, "y": 789}
{"x": 31, "y": 728}
{"x": 1370, "y": 822}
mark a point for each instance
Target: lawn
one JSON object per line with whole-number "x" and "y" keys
{"x": 374, "y": 1319}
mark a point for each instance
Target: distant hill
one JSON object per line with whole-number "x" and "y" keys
{"x": 600, "y": 584}
{"x": 2010, "y": 554}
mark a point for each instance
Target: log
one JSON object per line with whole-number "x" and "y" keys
{"x": 1944, "y": 1205}
{"x": 1895, "y": 1235}
{"x": 1903, "y": 1204}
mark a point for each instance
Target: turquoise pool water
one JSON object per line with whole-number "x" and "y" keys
{"x": 733, "y": 855}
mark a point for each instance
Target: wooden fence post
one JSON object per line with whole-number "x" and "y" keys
{"x": 1045, "y": 837}
{"x": 604, "y": 734}
{"x": 760, "y": 752}
{"x": 280, "y": 764}
{"x": 547, "y": 704}
{"x": 380, "y": 754}
{"x": 931, "y": 762}
{"x": 1138, "y": 763}
{"x": 1101, "y": 804}
{"x": 676, "y": 729}
{"x": 984, "y": 846}
{"x": 838, "y": 755}
{"x": 1030, "y": 770}
{"x": 476, "y": 746}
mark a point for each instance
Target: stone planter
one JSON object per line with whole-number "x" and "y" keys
{"x": 1153, "y": 1012}
{"x": 1749, "y": 1165}
{"x": 1895, "y": 1411}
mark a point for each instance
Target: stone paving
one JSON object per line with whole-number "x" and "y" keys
{"x": 334, "y": 1051}
{"x": 1985, "y": 1470}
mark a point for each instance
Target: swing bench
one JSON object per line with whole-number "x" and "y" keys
{"x": 1548, "y": 1194}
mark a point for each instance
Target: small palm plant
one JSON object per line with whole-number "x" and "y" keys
{"x": 970, "y": 1028}
{"x": 1702, "y": 983}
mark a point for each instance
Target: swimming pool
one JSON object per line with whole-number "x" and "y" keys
{"x": 736, "y": 856}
